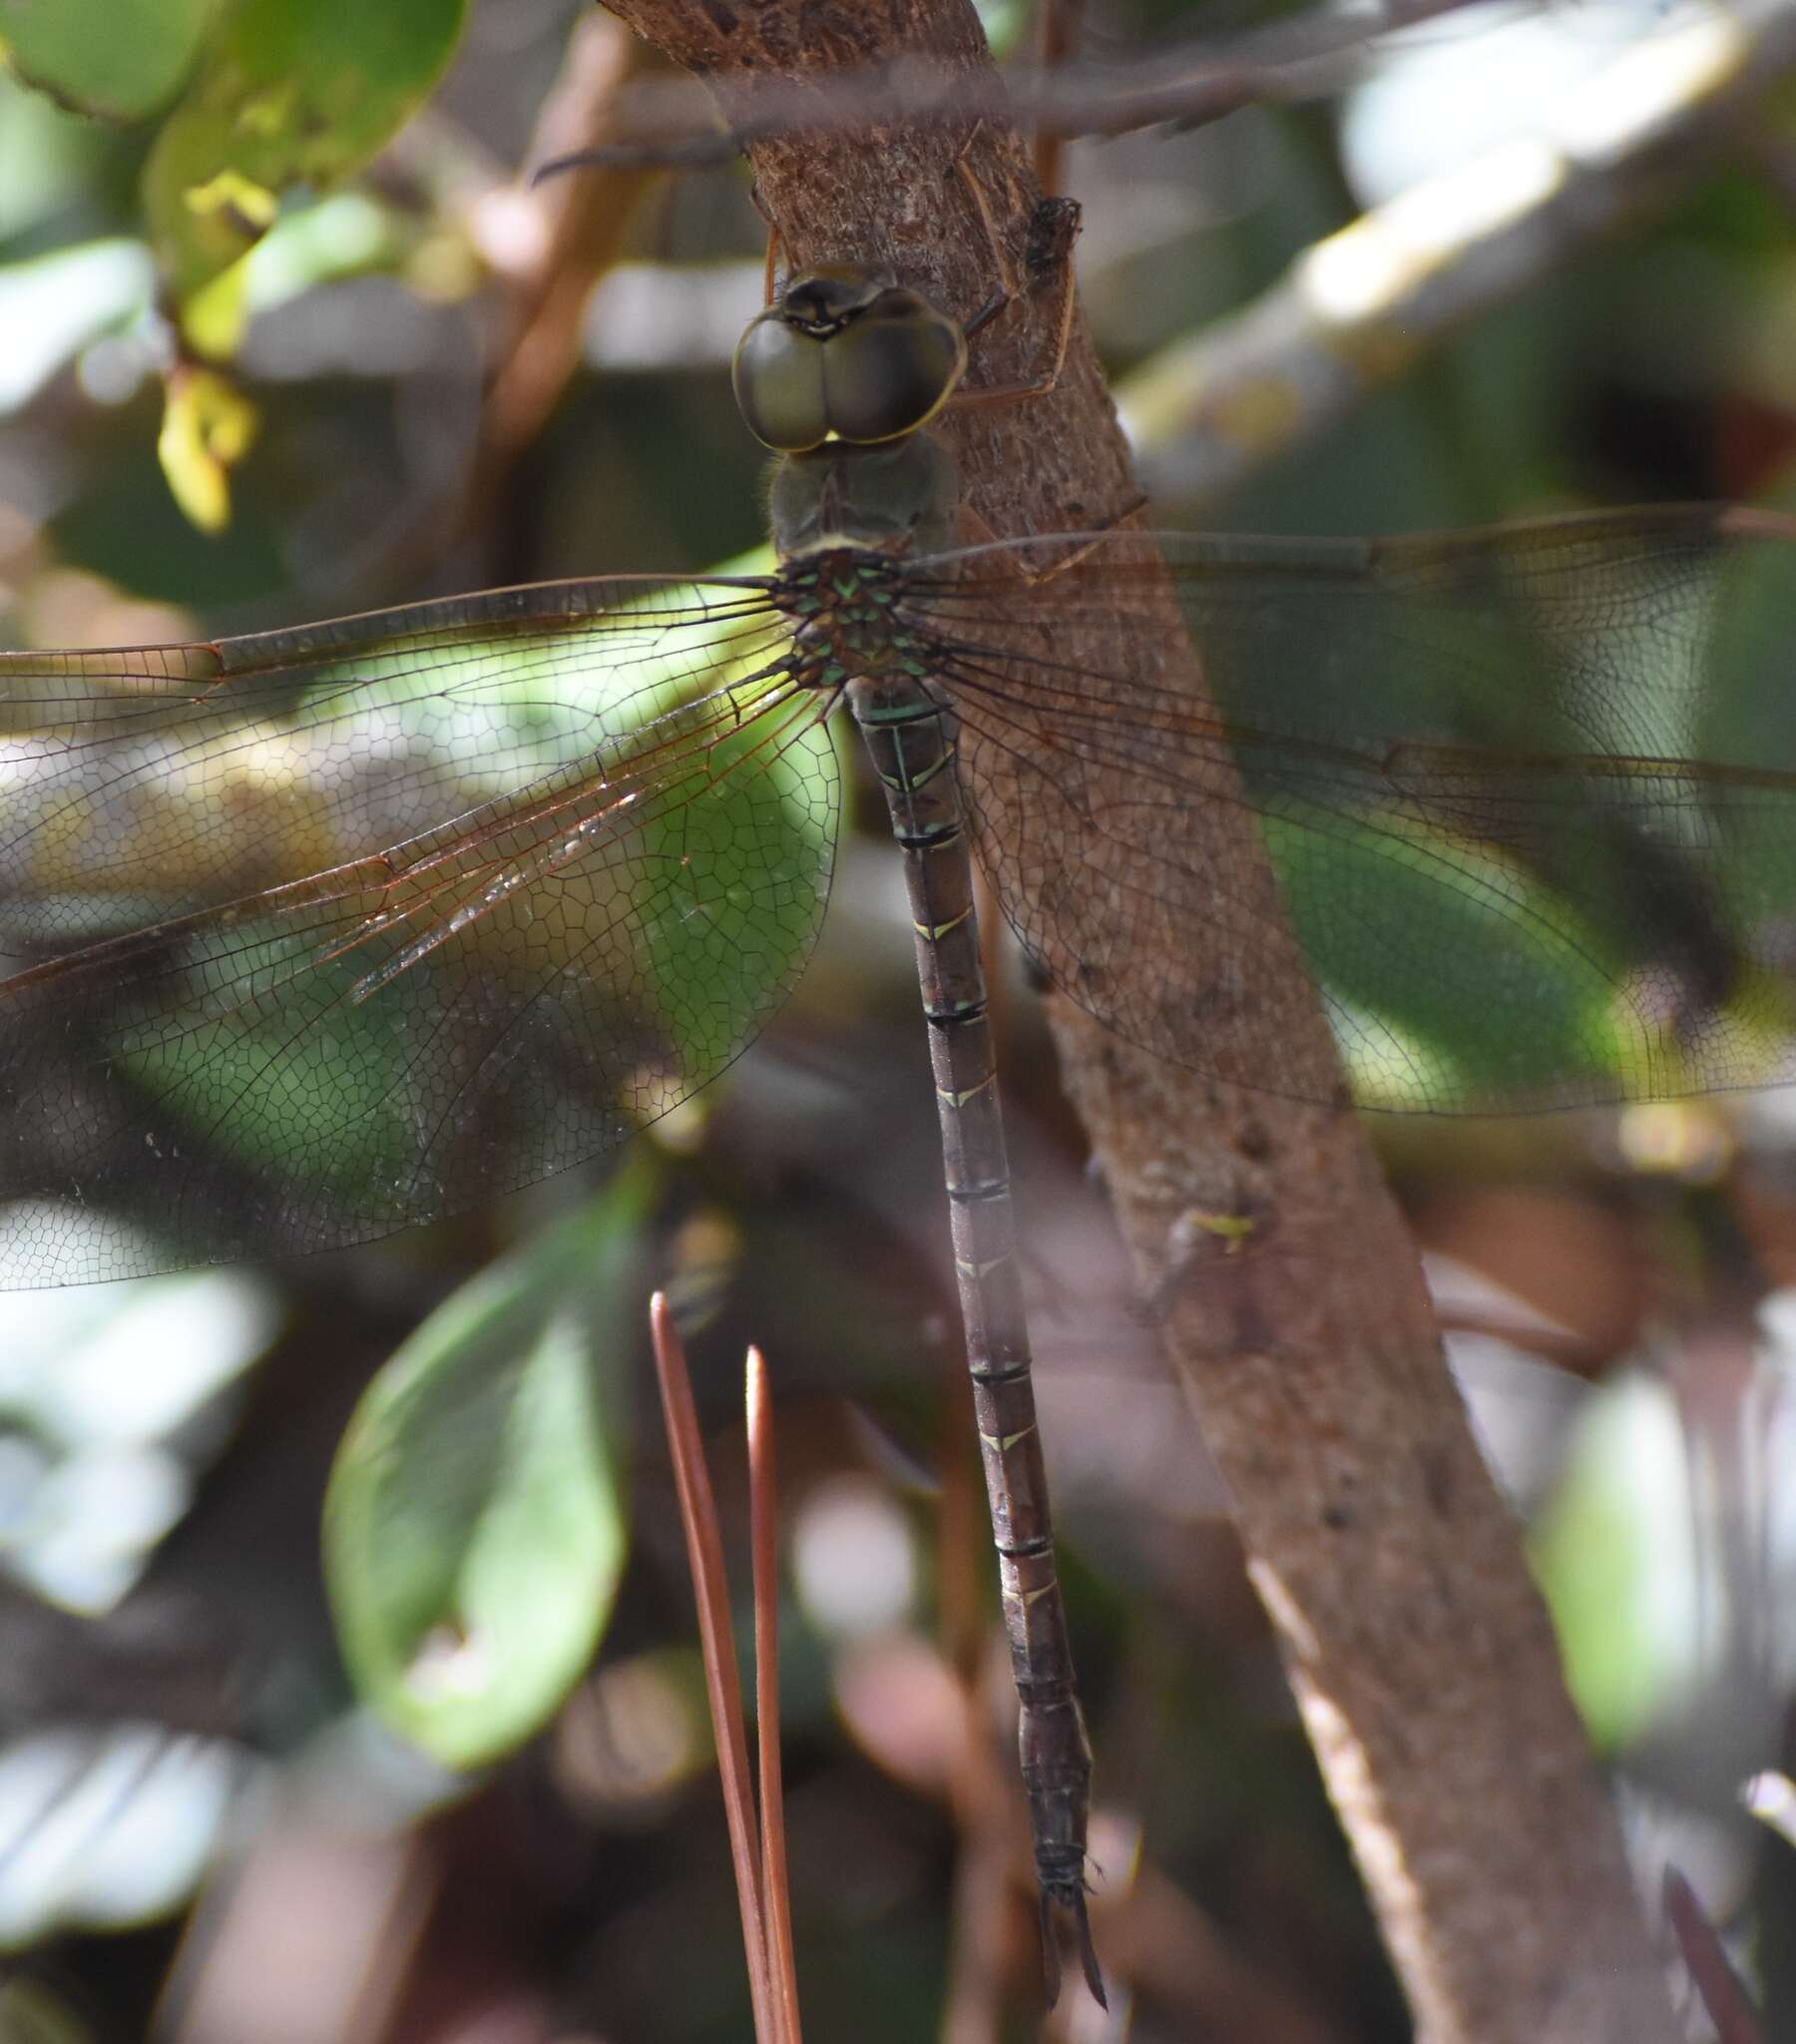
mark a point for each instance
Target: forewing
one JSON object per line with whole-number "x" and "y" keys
{"x": 1529, "y": 795}
{"x": 314, "y": 935}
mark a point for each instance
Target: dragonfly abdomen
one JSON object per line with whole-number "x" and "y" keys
{"x": 911, "y": 737}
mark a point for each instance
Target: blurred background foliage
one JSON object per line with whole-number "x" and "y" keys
{"x": 371, "y": 364}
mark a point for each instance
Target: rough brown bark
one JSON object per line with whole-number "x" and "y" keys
{"x": 1417, "y": 1646}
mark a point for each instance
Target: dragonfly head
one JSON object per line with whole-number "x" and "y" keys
{"x": 844, "y": 354}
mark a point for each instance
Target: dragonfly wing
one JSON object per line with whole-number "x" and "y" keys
{"x": 1529, "y": 795}
{"x": 311, "y": 935}
{"x": 1127, "y": 872}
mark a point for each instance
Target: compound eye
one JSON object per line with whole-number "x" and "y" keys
{"x": 780, "y": 384}
{"x": 841, "y": 355}
{"x": 889, "y": 371}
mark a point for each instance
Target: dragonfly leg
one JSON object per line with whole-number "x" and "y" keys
{"x": 775, "y": 243}
{"x": 1051, "y": 229}
{"x": 1010, "y": 285}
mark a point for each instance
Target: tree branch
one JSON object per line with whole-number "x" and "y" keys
{"x": 1189, "y": 83}
{"x": 1416, "y": 1643}
{"x": 1362, "y": 307}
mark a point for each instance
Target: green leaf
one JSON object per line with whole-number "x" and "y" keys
{"x": 725, "y": 944}
{"x": 31, "y": 2014}
{"x": 52, "y": 307}
{"x": 289, "y": 92}
{"x": 270, "y": 1041}
{"x": 1614, "y": 1555}
{"x": 206, "y": 428}
{"x": 120, "y": 59}
{"x": 49, "y": 158}
{"x": 1369, "y": 904}
{"x": 473, "y": 1535}
{"x": 284, "y": 1098}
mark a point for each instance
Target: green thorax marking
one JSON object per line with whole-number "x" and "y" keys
{"x": 845, "y": 602}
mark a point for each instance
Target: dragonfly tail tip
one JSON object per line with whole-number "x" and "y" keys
{"x": 1074, "y": 1903}
{"x": 1088, "y": 1954}
{"x": 1051, "y": 1965}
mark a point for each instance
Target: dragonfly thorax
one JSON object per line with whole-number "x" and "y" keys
{"x": 846, "y": 603}
{"x": 902, "y": 496}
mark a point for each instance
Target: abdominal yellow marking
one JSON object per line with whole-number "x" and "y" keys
{"x": 936, "y": 931}
{"x": 980, "y": 1270}
{"x": 972, "y": 1093}
{"x": 909, "y": 780}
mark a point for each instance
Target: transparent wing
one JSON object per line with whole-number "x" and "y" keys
{"x": 1529, "y": 795}
{"x": 563, "y": 850}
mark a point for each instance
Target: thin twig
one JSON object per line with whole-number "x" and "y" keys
{"x": 764, "y": 1531}
{"x": 549, "y": 243}
{"x": 1363, "y": 307}
{"x": 704, "y": 1553}
{"x": 672, "y": 126}
{"x": 1718, "y": 1987}
{"x": 1056, "y": 44}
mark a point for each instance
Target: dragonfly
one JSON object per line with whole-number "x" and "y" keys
{"x": 313, "y": 934}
